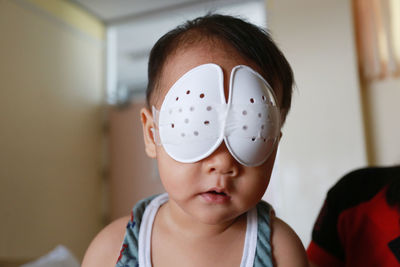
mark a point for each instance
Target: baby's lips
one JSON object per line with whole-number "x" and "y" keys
{"x": 214, "y": 197}
{"x": 218, "y": 190}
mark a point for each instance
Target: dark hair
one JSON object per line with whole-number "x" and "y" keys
{"x": 252, "y": 42}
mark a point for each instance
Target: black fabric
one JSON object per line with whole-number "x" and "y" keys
{"x": 393, "y": 192}
{"x": 354, "y": 188}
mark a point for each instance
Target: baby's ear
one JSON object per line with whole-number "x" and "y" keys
{"x": 148, "y": 126}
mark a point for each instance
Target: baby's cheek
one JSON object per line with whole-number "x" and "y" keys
{"x": 254, "y": 185}
{"x": 177, "y": 175}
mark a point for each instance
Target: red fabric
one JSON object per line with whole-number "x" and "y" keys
{"x": 320, "y": 257}
{"x": 366, "y": 230}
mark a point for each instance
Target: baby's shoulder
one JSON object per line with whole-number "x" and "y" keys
{"x": 286, "y": 242}
{"x": 105, "y": 247}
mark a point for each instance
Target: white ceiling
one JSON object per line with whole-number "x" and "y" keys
{"x": 111, "y": 10}
{"x": 133, "y": 27}
{"x": 118, "y": 11}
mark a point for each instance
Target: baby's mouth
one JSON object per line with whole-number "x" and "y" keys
{"x": 216, "y": 193}
{"x": 215, "y": 196}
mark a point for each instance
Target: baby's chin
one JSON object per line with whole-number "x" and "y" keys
{"x": 219, "y": 218}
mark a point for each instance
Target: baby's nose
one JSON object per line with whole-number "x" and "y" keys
{"x": 221, "y": 162}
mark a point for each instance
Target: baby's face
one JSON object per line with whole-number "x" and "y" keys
{"x": 216, "y": 189}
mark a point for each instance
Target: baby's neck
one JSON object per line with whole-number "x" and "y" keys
{"x": 198, "y": 243}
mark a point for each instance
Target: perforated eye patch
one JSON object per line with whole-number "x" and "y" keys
{"x": 194, "y": 117}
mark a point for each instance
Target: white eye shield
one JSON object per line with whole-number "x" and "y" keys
{"x": 195, "y": 119}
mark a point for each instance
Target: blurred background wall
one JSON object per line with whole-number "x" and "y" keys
{"x": 323, "y": 137}
{"x": 51, "y": 98}
{"x": 340, "y": 119}
{"x": 72, "y": 81}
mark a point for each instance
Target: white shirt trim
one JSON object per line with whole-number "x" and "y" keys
{"x": 250, "y": 241}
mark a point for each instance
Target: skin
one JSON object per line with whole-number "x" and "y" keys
{"x": 188, "y": 222}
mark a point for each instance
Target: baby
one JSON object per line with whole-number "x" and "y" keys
{"x": 219, "y": 91}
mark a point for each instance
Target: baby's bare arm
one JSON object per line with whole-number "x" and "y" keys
{"x": 287, "y": 249}
{"x": 105, "y": 247}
